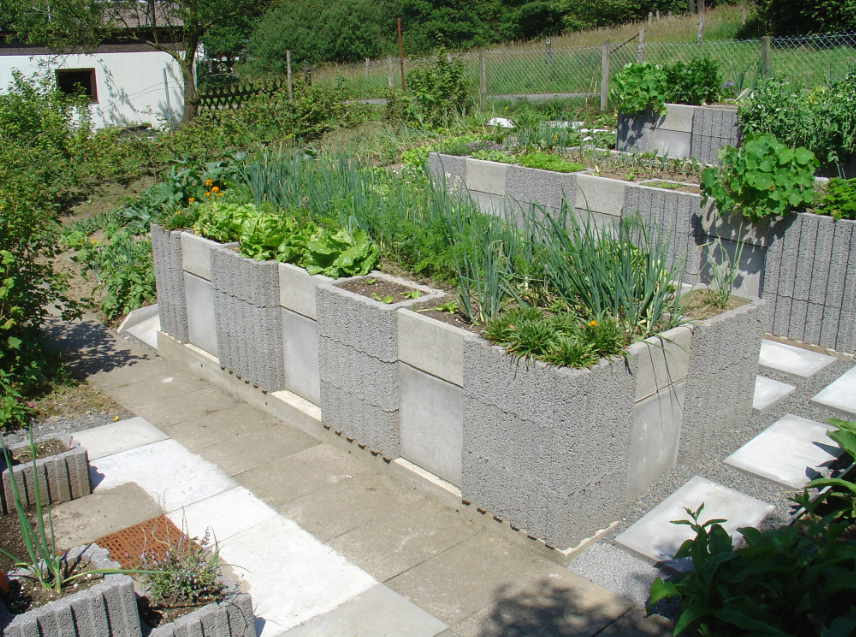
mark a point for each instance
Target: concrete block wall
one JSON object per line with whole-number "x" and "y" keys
{"x": 248, "y": 318}
{"x": 713, "y": 128}
{"x": 546, "y": 448}
{"x": 108, "y": 608}
{"x": 450, "y": 170}
{"x": 724, "y": 358}
{"x": 230, "y": 617}
{"x": 169, "y": 278}
{"x": 60, "y": 478}
{"x": 358, "y": 363}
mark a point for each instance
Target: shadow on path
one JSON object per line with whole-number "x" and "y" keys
{"x": 91, "y": 347}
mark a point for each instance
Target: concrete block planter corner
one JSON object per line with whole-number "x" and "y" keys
{"x": 232, "y": 616}
{"x": 169, "y": 278}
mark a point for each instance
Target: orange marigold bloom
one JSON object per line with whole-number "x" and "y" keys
{"x": 190, "y": 200}
{"x": 215, "y": 189}
{"x": 592, "y": 323}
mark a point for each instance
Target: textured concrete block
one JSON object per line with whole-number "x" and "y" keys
{"x": 431, "y": 421}
{"x": 300, "y": 348}
{"x": 806, "y": 256}
{"x": 297, "y": 289}
{"x": 545, "y": 188}
{"x": 838, "y": 270}
{"x": 169, "y": 278}
{"x": 795, "y": 362}
{"x": 368, "y": 378}
{"x": 713, "y": 128}
{"x": 486, "y": 176}
{"x": 108, "y": 608}
{"x": 797, "y": 322}
{"x": 432, "y": 346}
{"x": 735, "y": 228}
{"x": 201, "y": 322}
{"x": 661, "y": 360}
{"x": 600, "y": 194}
{"x": 196, "y": 254}
{"x": 782, "y": 316}
{"x": 848, "y": 301}
{"x": 634, "y": 131}
{"x": 489, "y": 204}
{"x": 60, "y": 478}
{"x": 232, "y": 616}
{"x": 655, "y": 438}
{"x": 678, "y": 117}
{"x": 750, "y": 266}
{"x": 791, "y": 452}
{"x": 840, "y": 396}
{"x": 769, "y": 393}
{"x": 449, "y": 170}
{"x": 672, "y": 144}
{"x": 368, "y": 424}
{"x": 846, "y": 341}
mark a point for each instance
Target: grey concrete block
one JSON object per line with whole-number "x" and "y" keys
{"x": 713, "y": 128}
{"x": 544, "y": 188}
{"x": 842, "y": 243}
{"x": 201, "y": 323}
{"x": 846, "y": 340}
{"x": 108, "y": 608}
{"x": 364, "y": 324}
{"x": 750, "y": 267}
{"x": 169, "y": 278}
{"x": 805, "y": 257}
{"x": 431, "y": 421}
{"x": 365, "y": 377}
{"x": 486, "y": 176}
{"x": 368, "y": 424}
{"x": 661, "y": 361}
{"x": 450, "y": 170}
{"x": 60, "y": 478}
{"x": 848, "y": 301}
{"x": 196, "y": 254}
{"x": 725, "y": 351}
{"x": 232, "y": 616}
{"x": 546, "y": 448}
{"x": 797, "y": 323}
{"x": 297, "y": 289}
{"x": 678, "y": 117}
{"x": 790, "y": 257}
{"x": 830, "y": 327}
{"x": 672, "y": 144}
{"x": 300, "y": 348}
{"x": 813, "y": 323}
{"x": 655, "y": 438}
{"x": 782, "y": 316}
{"x": 634, "y": 131}
{"x": 432, "y": 346}
{"x": 599, "y": 194}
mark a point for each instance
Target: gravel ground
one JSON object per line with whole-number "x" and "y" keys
{"x": 68, "y": 425}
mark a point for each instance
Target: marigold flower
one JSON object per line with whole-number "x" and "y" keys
{"x": 219, "y": 194}
{"x": 592, "y": 323}
{"x": 208, "y": 182}
{"x": 207, "y": 194}
{"x": 215, "y": 189}
{"x": 190, "y": 200}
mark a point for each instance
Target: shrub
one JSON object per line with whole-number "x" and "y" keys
{"x": 839, "y": 200}
{"x": 697, "y": 82}
{"x": 638, "y": 87}
{"x": 794, "y": 17}
{"x": 763, "y": 178}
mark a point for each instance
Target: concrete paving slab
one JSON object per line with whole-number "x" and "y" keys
{"x": 118, "y": 436}
{"x": 617, "y": 571}
{"x": 488, "y": 576}
{"x": 249, "y": 450}
{"x": 378, "y": 612}
{"x": 406, "y": 538}
{"x": 633, "y": 623}
{"x": 791, "y": 452}
{"x": 143, "y": 392}
{"x": 656, "y": 539}
{"x": 86, "y": 519}
{"x": 226, "y": 514}
{"x": 769, "y": 393}
{"x": 793, "y": 361}
{"x": 840, "y": 396}
{"x": 173, "y": 410}
{"x": 292, "y": 576}
{"x": 337, "y": 509}
{"x": 288, "y": 479}
{"x": 168, "y": 472}
{"x": 147, "y": 331}
{"x": 223, "y": 425}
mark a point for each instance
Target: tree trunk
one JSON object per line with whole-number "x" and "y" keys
{"x": 191, "y": 95}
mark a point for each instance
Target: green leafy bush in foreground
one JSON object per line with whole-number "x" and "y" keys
{"x": 763, "y": 178}
{"x": 839, "y": 200}
{"x": 641, "y": 85}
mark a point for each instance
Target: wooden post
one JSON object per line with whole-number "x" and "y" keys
{"x": 700, "y": 27}
{"x": 604, "y": 76}
{"x": 288, "y": 73}
{"x": 658, "y": 15}
{"x": 766, "y": 61}
{"x": 368, "y": 66}
{"x": 389, "y": 76}
{"x": 640, "y": 48}
{"x": 743, "y": 14}
{"x": 401, "y": 54}
{"x": 650, "y": 17}
{"x": 548, "y": 50}
{"x": 700, "y": 4}
{"x": 482, "y": 81}
{"x": 691, "y": 6}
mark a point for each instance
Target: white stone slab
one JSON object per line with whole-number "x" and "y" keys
{"x": 167, "y": 471}
{"x": 656, "y": 539}
{"x": 789, "y": 452}
{"x": 118, "y": 436}
{"x": 501, "y": 122}
{"x": 768, "y": 393}
{"x": 292, "y": 576}
{"x": 379, "y": 612}
{"x": 147, "y": 331}
{"x": 840, "y": 396}
{"x": 226, "y": 514}
{"x": 793, "y": 361}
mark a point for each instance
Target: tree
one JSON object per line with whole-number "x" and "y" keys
{"x": 797, "y": 17}
{"x": 175, "y": 27}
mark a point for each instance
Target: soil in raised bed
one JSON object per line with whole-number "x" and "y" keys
{"x": 43, "y": 450}
{"x": 690, "y": 182}
{"x": 699, "y": 307}
{"x": 455, "y": 318}
{"x": 379, "y": 290}
{"x": 25, "y": 593}
{"x": 11, "y": 541}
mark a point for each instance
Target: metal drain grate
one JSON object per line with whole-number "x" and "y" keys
{"x": 151, "y": 536}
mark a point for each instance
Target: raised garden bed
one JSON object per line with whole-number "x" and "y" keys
{"x": 61, "y": 477}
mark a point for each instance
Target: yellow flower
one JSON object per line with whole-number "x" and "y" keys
{"x": 219, "y": 194}
{"x": 506, "y": 108}
{"x": 592, "y": 323}
{"x": 190, "y": 200}
{"x": 208, "y": 182}
{"x": 215, "y": 189}
{"x": 207, "y": 194}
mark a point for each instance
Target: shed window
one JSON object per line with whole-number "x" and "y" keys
{"x": 68, "y": 80}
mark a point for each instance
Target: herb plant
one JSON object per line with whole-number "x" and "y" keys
{"x": 640, "y": 86}
{"x": 547, "y": 161}
{"x": 723, "y": 274}
{"x": 763, "y": 178}
{"x": 839, "y": 200}
{"x": 696, "y": 82}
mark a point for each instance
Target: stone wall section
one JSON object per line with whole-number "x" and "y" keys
{"x": 712, "y": 129}
{"x": 169, "y": 278}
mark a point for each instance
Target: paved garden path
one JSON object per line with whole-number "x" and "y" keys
{"x": 326, "y": 544}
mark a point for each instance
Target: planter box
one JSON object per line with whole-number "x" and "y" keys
{"x": 358, "y": 363}
{"x": 61, "y": 477}
{"x": 684, "y": 132}
{"x": 169, "y": 278}
{"x": 230, "y": 617}
{"x": 108, "y": 608}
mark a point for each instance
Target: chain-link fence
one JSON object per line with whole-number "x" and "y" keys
{"x": 577, "y": 72}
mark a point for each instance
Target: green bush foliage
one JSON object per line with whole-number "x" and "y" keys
{"x": 437, "y": 91}
{"x": 763, "y": 178}
{"x": 695, "y": 82}
{"x": 839, "y": 200}
{"x": 796, "y": 17}
{"x": 642, "y": 86}
{"x": 548, "y": 161}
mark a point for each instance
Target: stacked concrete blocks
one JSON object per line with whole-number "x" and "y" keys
{"x": 545, "y": 448}
{"x": 431, "y": 377}
{"x": 449, "y": 170}
{"x": 526, "y": 188}
{"x": 358, "y": 363}
{"x": 300, "y": 330}
{"x": 169, "y": 278}
{"x": 248, "y": 318}
{"x": 635, "y": 132}
{"x": 713, "y": 128}
{"x": 660, "y": 366}
{"x": 725, "y": 352}
{"x": 810, "y": 281}
{"x": 60, "y": 478}
{"x": 108, "y": 608}
{"x": 232, "y": 616}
